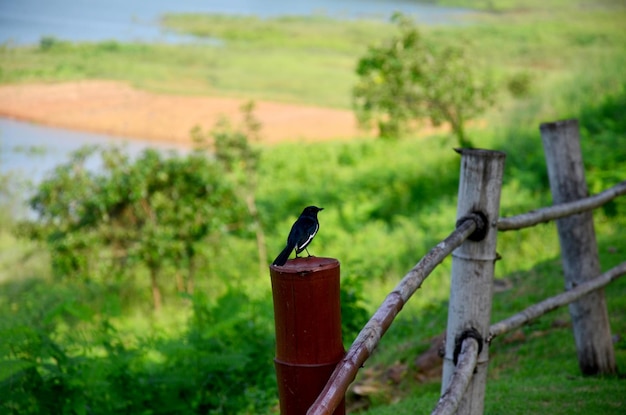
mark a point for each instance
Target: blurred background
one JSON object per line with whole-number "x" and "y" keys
{"x": 153, "y": 156}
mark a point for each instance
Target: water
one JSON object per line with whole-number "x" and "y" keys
{"x": 27, "y": 21}
{"x": 29, "y": 152}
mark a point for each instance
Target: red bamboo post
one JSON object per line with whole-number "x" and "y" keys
{"x": 307, "y": 316}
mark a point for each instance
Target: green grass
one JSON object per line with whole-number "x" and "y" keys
{"x": 297, "y": 33}
{"x": 532, "y": 371}
{"x": 525, "y": 6}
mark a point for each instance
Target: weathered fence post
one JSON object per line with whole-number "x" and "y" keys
{"x": 469, "y": 311}
{"x": 579, "y": 250}
{"x": 307, "y": 316}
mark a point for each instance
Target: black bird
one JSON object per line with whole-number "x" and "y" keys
{"x": 301, "y": 234}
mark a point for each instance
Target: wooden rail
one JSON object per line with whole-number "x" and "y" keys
{"x": 551, "y": 213}
{"x": 552, "y": 303}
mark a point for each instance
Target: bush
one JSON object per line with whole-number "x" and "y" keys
{"x": 221, "y": 362}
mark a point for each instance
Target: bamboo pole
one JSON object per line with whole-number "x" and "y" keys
{"x": 579, "y": 251}
{"x": 370, "y": 335}
{"x": 472, "y": 269}
{"x": 451, "y": 398}
{"x": 552, "y": 303}
{"x": 307, "y": 316}
{"x": 550, "y": 213}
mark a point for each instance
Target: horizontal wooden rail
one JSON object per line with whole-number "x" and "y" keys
{"x": 552, "y": 303}
{"x": 370, "y": 335}
{"x": 451, "y": 398}
{"x": 547, "y": 214}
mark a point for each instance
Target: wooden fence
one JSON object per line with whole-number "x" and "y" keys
{"x": 473, "y": 248}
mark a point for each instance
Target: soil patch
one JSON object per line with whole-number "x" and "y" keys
{"x": 118, "y": 109}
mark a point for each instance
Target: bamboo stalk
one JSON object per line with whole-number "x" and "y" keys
{"x": 451, "y": 398}
{"x": 550, "y": 213}
{"x": 552, "y": 303}
{"x": 473, "y": 263}
{"x": 370, "y": 335}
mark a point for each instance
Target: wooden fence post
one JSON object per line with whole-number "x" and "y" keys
{"x": 469, "y": 311}
{"x": 579, "y": 250}
{"x": 307, "y": 316}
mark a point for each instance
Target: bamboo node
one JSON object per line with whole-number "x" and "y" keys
{"x": 481, "y": 221}
{"x": 458, "y": 343}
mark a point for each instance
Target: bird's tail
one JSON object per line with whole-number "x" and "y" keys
{"x": 282, "y": 258}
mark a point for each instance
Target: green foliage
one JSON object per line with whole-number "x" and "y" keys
{"x": 47, "y": 43}
{"x": 233, "y": 337}
{"x": 354, "y": 313}
{"x": 598, "y": 127}
{"x": 519, "y": 85}
{"x": 233, "y": 149}
{"x": 239, "y": 159}
{"x": 409, "y": 79}
{"x": 153, "y": 212}
{"x": 220, "y": 363}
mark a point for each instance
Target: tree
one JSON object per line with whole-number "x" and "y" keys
{"x": 239, "y": 159}
{"x": 150, "y": 212}
{"x": 409, "y": 79}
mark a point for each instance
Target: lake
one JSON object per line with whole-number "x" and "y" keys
{"x": 26, "y": 21}
{"x": 29, "y": 152}
{"x": 32, "y": 150}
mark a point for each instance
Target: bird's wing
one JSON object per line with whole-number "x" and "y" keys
{"x": 309, "y": 228}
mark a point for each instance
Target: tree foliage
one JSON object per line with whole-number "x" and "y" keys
{"x": 157, "y": 212}
{"x": 219, "y": 363}
{"x": 239, "y": 159}
{"x": 153, "y": 212}
{"x": 409, "y": 79}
